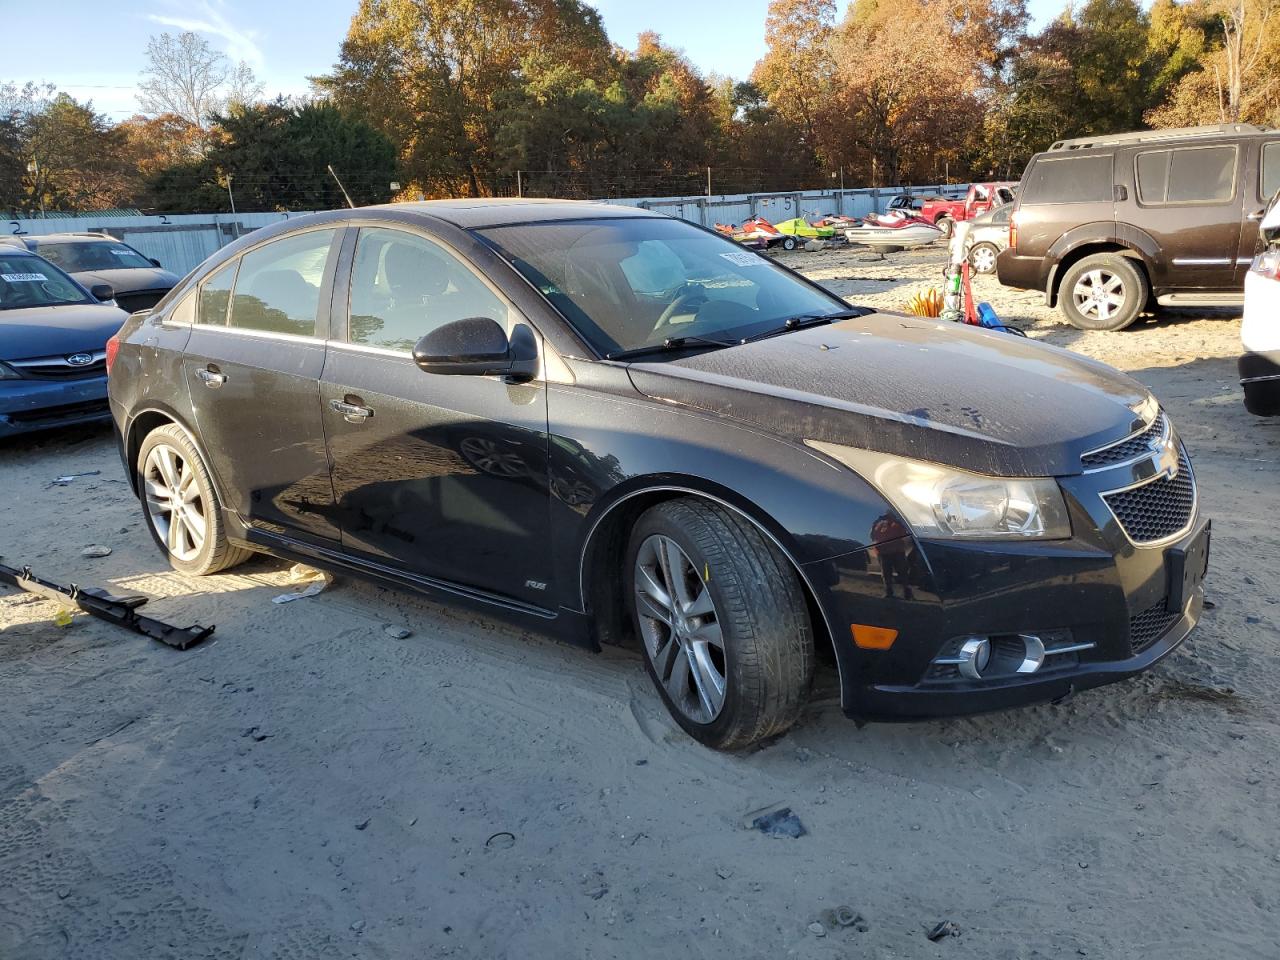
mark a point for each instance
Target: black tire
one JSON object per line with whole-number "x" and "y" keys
{"x": 988, "y": 265}
{"x": 215, "y": 553}
{"x": 946, "y": 225}
{"x": 767, "y": 657}
{"x": 1125, "y": 299}
{"x": 789, "y": 243}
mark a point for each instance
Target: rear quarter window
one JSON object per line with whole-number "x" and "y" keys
{"x": 1069, "y": 180}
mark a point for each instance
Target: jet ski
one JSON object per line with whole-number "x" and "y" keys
{"x": 892, "y": 232}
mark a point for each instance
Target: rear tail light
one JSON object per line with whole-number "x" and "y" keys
{"x": 1013, "y": 231}
{"x": 113, "y": 347}
{"x": 1267, "y": 264}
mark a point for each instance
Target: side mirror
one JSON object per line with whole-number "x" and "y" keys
{"x": 102, "y": 292}
{"x": 474, "y": 346}
{"x": 154, "y": 262}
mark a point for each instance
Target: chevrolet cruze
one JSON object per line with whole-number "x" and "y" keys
{"x": 629, "y": 429}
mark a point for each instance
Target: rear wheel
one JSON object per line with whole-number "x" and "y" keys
{"x": 982, "y": 257}
{"x": 723, "y": 622}
{"x": 946, "y": 225}
{"x": 181, "y": 506}
{"x": 1103, "y": 292}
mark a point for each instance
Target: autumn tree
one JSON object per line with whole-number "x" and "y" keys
{"x": 78, "y": 158}
{"x": 795, "y": 73}
{"x": 1234, "y": 77}
{"x": 431, "y": 74}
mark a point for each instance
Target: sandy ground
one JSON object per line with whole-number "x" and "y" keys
{"x": 307, "y": 786}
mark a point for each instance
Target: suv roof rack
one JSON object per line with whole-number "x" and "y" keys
{"x": 1171, "y": 133}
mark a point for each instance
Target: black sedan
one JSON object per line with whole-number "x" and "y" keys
{"x": 93, "y": 258}
{"x": 628, "y": 428}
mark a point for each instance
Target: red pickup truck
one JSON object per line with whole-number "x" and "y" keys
{"x": 944, "y": 214}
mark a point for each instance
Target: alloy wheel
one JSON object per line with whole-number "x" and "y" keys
{"x": 1099, "y": 294}
{"x": 680, "y": 628}
{"x": 175, "y": 505}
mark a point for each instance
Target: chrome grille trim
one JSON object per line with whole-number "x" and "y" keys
{"x": 1137, "y": 446}
{"x": 1150, "y": 488}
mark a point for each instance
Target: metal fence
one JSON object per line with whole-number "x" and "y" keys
{"x": 181, "y": 242}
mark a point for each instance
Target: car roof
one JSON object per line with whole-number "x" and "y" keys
{"x": 64, "y": 237}
{"x": 502, "y": 212}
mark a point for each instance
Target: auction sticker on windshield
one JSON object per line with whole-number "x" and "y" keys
{"x": 743, "y": 259}
{"x": 23, "y": 277}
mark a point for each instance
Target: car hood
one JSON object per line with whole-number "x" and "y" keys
{"x": 128, "y": 279}
{"x": 54, "y": 331}
{"x": 932, "y": 390}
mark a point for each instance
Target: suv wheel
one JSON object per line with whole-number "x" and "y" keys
{"x": 947, "y": 226}
{"x": 1103, "y": 292}
{"x": 182, "y": 509}
{"x": 723, "y": 622}
{"x": 982, "y": 257}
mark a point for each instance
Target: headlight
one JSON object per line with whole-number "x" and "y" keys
{"x": 8, "y": 373}
{"x": 944, "y": 502}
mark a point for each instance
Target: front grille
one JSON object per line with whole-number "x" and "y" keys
{"x": 59, "y": 368}
{"x": 139, "y": 300}
{"x": 1159, "y": 508}
{"x": 1149, "y": 626}
{"x": 1131, "y": 448}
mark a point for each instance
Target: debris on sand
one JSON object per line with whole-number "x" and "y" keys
{"x": 397, "y": 633}
{"x": 946, "y": 928}
{"x": 96, "y": 550}
{"x": 300, "y": 573}
{"x": 775, "y": 821}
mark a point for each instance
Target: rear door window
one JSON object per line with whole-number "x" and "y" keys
{"x": 1270, "y": 169}
{"x": 278, "y": 287}
{"x": 215, "y": 294}
{"x": 1187, "y": 175}
{"x": 1069, "y": 180}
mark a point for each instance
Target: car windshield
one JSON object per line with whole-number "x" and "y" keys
{"x": 637, "y": 281}
{"x": 77, "y": 255}
{"x": 32, "y": 282}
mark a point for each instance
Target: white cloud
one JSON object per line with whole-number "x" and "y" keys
{"x": 209, "y": 18}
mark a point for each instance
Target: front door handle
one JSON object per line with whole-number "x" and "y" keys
{"x": 212, "y": 378}
{"x": 352, "y": 409}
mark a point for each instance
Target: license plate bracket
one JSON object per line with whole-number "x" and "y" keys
{"x": 1187, "y": 567}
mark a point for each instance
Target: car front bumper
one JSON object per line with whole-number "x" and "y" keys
{"x": 1129, "y": 606}
{"x": 30, "y": 405}
{"x": 1260, "y": 380}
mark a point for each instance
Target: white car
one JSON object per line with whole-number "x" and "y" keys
{"x": 1260, "y": 332}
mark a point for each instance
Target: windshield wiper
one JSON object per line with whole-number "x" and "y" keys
{"x": 671, "y": 343}
{"x": 800, "y": 321}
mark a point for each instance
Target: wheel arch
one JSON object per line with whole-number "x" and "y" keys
{"x": 603, "y": 595}
{"x": 1073, "y": 255}
{"x": 147, "y": 420}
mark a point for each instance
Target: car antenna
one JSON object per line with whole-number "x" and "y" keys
{"x": 341, "y": 187}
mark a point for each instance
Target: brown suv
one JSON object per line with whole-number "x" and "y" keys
{"x": 1105, "y": 225}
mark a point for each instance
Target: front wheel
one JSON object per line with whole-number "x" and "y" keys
{"x": 182, "y": 509}
{"x": 1103, "y": 292}
{"x": 723, "y": 622}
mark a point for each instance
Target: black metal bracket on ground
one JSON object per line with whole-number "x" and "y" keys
{"x": 122, "y": 611}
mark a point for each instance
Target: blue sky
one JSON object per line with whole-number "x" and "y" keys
{"x": 100, "y": 45}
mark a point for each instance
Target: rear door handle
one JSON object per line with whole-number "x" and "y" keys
{"x": 212, "y": 378}
{"x": 352, "y": 410}
{"x": 1256, "y": 215}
